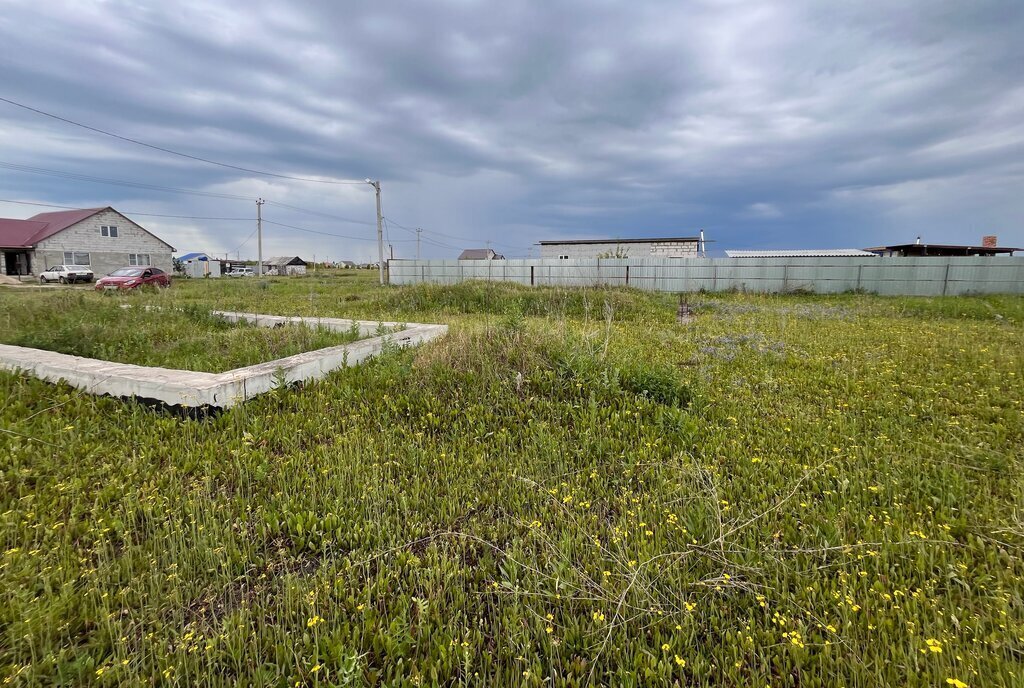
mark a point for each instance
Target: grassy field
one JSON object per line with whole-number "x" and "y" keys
{"x": 188, "y": 337}
{"x": 570, "y": 489}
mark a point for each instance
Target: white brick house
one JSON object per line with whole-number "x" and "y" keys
{"x": 101, "y": 238}
{"x": 669, "y": 247}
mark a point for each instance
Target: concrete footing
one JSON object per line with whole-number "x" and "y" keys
{"x": 195, "y": 389}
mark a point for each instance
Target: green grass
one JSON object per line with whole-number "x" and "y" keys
{"x": 570, "y": 489}
{"x": 186, "y": 337}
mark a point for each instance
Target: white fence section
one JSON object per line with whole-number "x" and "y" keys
{"x": 894, "y": 276}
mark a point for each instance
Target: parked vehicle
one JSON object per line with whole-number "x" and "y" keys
{"x": 241, "y": 272}
{"x": 66, "y": 274}
{"x": 133, "y": 278}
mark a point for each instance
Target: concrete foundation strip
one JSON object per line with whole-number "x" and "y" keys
{"x": 197, "y": 389}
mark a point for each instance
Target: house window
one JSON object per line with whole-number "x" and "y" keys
{"x": 108, "y": 231}
{"x": 76, "y": 258}
{"x": 563, "y": 257}
{"x": 138, "y": 259}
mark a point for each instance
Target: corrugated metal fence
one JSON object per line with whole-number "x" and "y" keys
{"x": 894, "y": 276}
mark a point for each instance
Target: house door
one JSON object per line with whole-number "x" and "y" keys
{"x": 17, "y": 263}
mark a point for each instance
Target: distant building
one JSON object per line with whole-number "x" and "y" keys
{"x": 665, "y": 247}
{"x": 346, "y": 264}
{"x": 199, "y": 265}
{"x": 101, "y": 238}
{"x": 480, "y": 254}
{"x": 803, "y": 253}
{"x": 284, "y": 265}
{"x": 988, "y": 248}
{"x": 189, "y": 257}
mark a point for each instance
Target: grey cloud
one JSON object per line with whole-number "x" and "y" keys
{"x": 768, "y": 123}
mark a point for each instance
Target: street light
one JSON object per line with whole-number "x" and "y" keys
{"x": 380, "y": 229}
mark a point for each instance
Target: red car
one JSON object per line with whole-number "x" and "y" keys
{"x": 133, "y": 278}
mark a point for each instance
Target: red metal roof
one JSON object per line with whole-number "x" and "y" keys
{"x": 18, "y": 233}
{"x": 28, "y": 233}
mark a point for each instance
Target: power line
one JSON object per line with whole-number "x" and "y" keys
{"x": 210, "y": 194}
{"x": 316, "y": 231}
{"x": 178, "y": 153}
{"x": 192, "y": 217}
{"x": 154, "y": 187}
{"x": 427, "y": 240}
{"x": 323, "y": 214}
{"x": 166, "y": 189}
{"x": 199, "y": 217}
{"x": 120, "y": 182}
{"x": 130, "y": 212}
{"x": 247, "y": 240}
{"x": 434, "y": 242}
{"x": 452, "y": 236}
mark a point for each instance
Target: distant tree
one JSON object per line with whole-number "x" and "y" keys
{"x": 618, "y": 252}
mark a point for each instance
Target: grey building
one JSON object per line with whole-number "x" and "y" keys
{"x": 480, "y": 254}
{"x": 284, "y": 265}
{"x": 662, "y": 247}
{"x": 987, "y": 248}
{"x": 101, "y": 238}
{"x": 801, "y": 253}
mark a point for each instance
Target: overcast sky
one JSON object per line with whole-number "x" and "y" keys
{"x": 769, "y": 124}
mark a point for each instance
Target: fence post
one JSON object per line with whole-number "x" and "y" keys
{"x": 714, "y": 277}
{"x": 945, "y": 280}
{"x": 785, "y": 278}
{"x": 860, "y": 269}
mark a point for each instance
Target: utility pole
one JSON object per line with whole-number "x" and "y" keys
{"x": 259, "y": 236}
{"x": 380, "y": 229}
{"x": 419, "y": 230}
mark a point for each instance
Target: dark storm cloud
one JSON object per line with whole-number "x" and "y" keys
{"x": 789, "y": 124}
